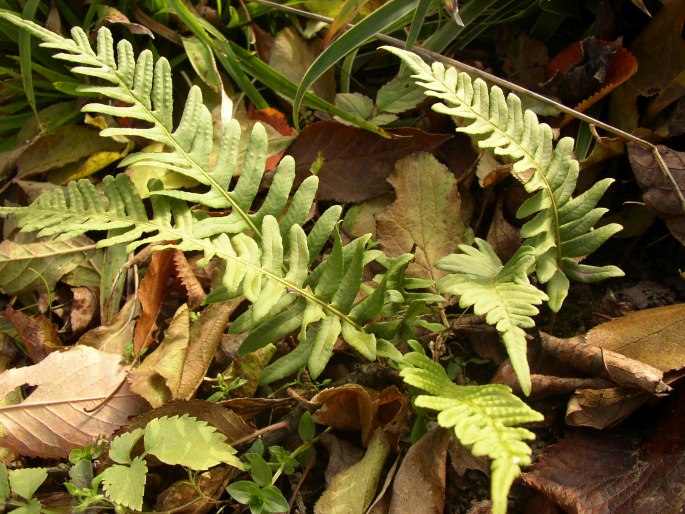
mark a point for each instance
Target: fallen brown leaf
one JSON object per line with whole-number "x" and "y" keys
{"x": 596, "y": 361}
{"x": 653, "y": 336}
{"x": 38, "y": 333}
{"x": 603, "y": 408}
{"x": 356, "y": 163}
{"x": 184, "y": 272}
{"x": 66, "y": 409}
{"x": 151, "y": 293}
{"x": 419, "y": 486}
{"x": 357, "y": 408}
{"x": 596, "y": 473}
{"x": 426, "y": 216}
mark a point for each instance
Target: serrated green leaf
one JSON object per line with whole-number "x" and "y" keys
{"x": 33, "y": 507}
{"x": 175, "y": 441}
{"x": 121, "y": 446}
{"x": 25, "y": 482}
{"x": 125, "y": 485}
{"x": 399, "y": 95}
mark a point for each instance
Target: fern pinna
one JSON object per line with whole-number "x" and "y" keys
{"x": 555, "y": 240}
{"x": 266, "y": 261}
{"x": 482, "y": 418}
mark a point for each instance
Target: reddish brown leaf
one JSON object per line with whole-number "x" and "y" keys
{"x": 358, "y": 408}
{"x": 38, "y": 333}
{"x": 603, "y": 408}
{"x": 419, "y": 486}
{"x": 151, "y": 293}
{"x": 596, "y": 473}
{"x": 356, "y": 163}
{"x": 589, "y": 70}
{"x": 185, "y": 273}
{"x": 658, "y": 194}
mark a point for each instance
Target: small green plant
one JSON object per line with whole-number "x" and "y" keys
{"x": 261, "y": 494}
{"x": 224, "y": 388}
{"x": 17, "y": 487}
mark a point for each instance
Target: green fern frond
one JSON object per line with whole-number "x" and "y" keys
{"x": 561, "y": 231}
{"x": 273, "y": 276}
{"x": 145, "y": 87}
{"x": 482, "y": 417}
{"x": 502, "y": 293}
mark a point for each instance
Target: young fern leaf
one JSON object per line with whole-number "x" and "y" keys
{"x": 482, "y": 417}
{"x": 146, "y": 89}
{"x": 502, "y": 293}
{"x": 561, "y": 231}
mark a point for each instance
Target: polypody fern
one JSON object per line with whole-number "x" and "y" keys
{"x": 266, "y": 261}
{"x": 559, "y": 235}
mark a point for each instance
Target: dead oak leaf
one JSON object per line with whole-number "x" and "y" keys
{"x": 356, "y": 163}
{"x": 426, "y": 216}
{"x": 66, "y": 409}
{"x": 599, "y": 472}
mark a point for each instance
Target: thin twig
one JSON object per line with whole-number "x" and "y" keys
{"x": 508, "y": 85}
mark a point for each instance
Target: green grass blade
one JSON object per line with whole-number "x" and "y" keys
{"x": 222, "y": 51}
{"x": 25, "y": 55}
{"x": 278, "y": 83}
{"x": 378, "y": 21}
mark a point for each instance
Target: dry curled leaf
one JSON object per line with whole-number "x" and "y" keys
{"x": 357, "y": 408}
{"x": 594, "y": 360}
{"x": 67, "y": 409}
{"x": 658, "y": 194}
{"x": 419, "y": 486}
{"x": 38, "y": 333}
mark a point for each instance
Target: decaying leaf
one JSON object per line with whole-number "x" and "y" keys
{"x": 38, "y": 333}
{"x": 184, "y": 272}
{"x": 357, "y": 408}
{"x": 78, "y": 147}
{"x": 23, "y": 264}
{"x": 175, "y": 369}
{"x": 603, "y": 408}
{"x": 291, "y": 56}
{"x": 352, "y": 490}
{"x": 658, "y": 194}
{"x": 419, "y": 486}
{"x": 117, "y": 335}
{"x": 426, "y": 216}
{"x": 584, "y": 356}
{"x": 356, "y": 163}
{"x": 595, "y": 473}
{"x": 653, "y": 336}
{"x": 67, "y": 409}
{"x": 151, "y": 293}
